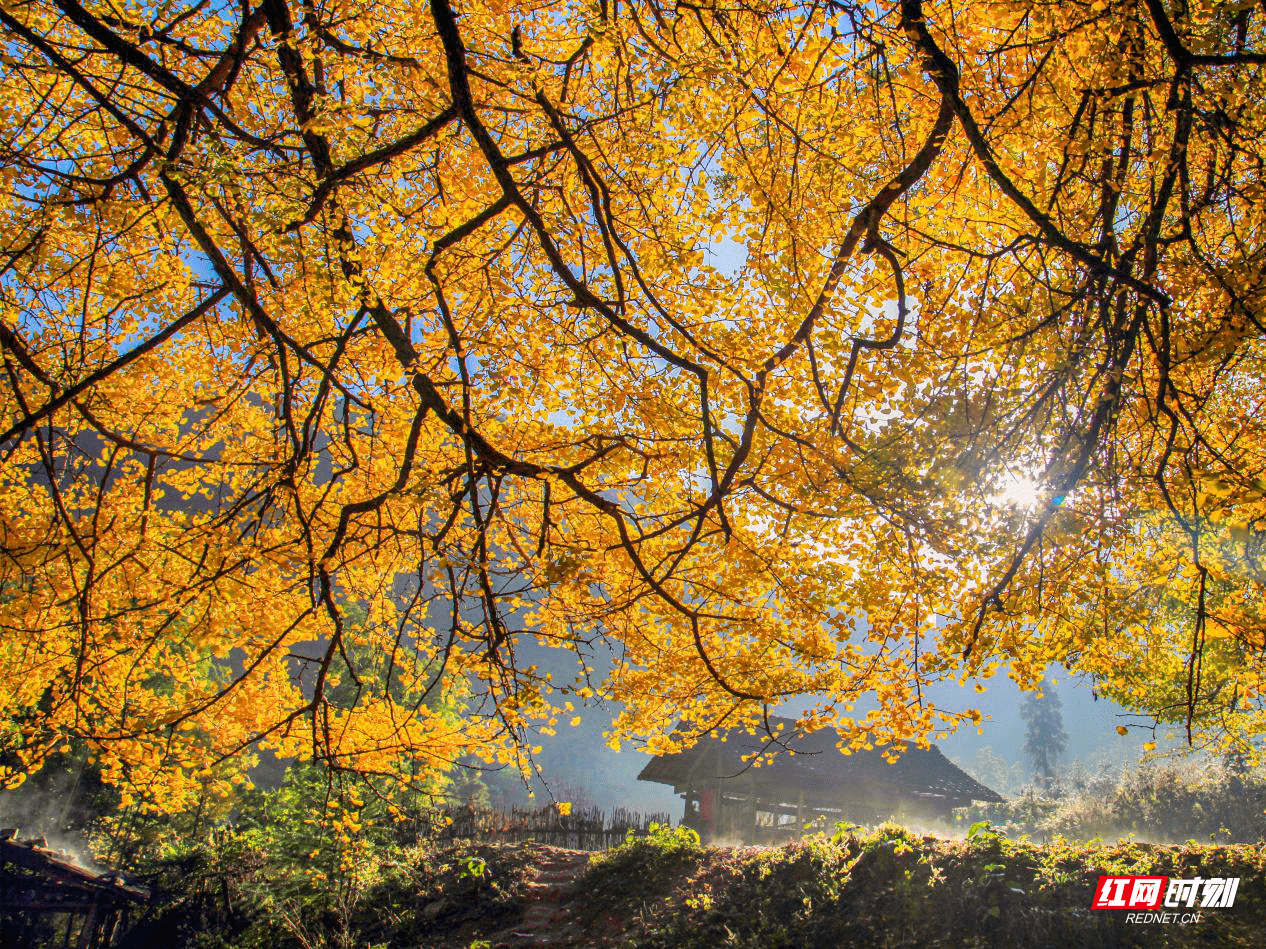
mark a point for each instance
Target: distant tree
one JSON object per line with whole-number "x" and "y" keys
{"x": 1045, "y": 738}
{"x": 997, "y": 772}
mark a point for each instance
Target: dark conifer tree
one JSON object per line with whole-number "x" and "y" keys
{"x": 1045, "y": 738}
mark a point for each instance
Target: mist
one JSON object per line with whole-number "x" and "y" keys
{"x": 579, "y": 763}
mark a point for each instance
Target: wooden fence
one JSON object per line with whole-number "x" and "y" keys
{"x": 582, "y": 829}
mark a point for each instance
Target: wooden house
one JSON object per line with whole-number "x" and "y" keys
{"x": 807, "y": 782}
{"x": 48, "y": 899}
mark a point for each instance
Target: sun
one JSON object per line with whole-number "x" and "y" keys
{"x": 1020, "y": 491}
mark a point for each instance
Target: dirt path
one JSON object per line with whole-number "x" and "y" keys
{"x": 546, "y": 919}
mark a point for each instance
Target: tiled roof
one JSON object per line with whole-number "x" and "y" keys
{"x": 813, "y": 762}
{"x": 54, "y": 879}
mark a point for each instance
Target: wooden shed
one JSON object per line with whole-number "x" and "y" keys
{"x": 48, "y": 899}
{"x": 807, "y": 782}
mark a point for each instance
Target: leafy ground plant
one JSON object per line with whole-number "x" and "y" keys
{"x": 891, "y": 888}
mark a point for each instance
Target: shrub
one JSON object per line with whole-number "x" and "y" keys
{"x": 1157, "y": 802}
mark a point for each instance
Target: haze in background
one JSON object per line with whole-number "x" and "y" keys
{"x": 576, "y": 764}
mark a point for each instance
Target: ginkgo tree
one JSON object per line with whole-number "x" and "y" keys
{"x": 354, "y": 353}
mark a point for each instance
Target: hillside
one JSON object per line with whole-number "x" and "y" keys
{"x": 886, "y": 888}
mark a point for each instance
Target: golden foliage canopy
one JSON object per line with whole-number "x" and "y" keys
{"x": 354, "y": 351}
